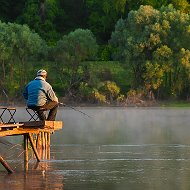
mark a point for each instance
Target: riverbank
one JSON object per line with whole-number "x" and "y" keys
{"x": 169, "y": 103}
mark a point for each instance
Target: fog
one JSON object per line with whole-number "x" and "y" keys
{"x": 125, "y": 126}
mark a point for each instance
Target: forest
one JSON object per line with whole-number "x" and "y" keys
{"x": 106, "y": 52}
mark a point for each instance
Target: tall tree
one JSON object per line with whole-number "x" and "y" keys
{"x": 182, "y": 5}
{"x": 155, "y": 46}
{"x": 17, "y": 44}
{"x": 74, "y": 48}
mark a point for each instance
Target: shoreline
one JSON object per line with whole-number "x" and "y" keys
{"x": 164, "y": 103}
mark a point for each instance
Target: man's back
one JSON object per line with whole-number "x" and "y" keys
{"x": 37, "y": 92}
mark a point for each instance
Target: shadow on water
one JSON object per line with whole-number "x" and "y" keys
{"x": 119, "y": 148}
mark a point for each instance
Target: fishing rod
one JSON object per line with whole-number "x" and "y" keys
{"x": 75, "y": 109}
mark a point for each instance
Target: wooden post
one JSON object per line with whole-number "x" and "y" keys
{"x": 34, "y": 137}
{"x": 39, "y": 141}
{"x": 45, "y": 145}
{"x": 26, "y": 152}
{"x": 43, "y": 140}
{"x": 6, "y": 165}
{"x": 48, "y": 146}
{"x": 48, "y": 153}
{"x": 34, "y": 147}
{"x": 48, "y": 139}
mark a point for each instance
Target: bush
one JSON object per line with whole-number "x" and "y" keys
{"x": 100, "y": 98}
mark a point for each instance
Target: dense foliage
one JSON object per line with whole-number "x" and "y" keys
{"x": 154, "y": 45}
{"x": 97, "y": 51}
{"x": 17, "y": 44}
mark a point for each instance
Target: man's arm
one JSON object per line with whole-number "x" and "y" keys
{"x": 52, "y": 96}
{"x": 25, "y": 93}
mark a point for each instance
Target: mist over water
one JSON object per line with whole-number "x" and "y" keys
{"x": 118, "y": 148}
{"x": 125, "y": 126}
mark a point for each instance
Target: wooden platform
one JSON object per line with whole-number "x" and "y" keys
{"x": 41, "y": 129}
{"x": 9, "y": 129}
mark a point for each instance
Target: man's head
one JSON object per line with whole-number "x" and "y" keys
{"x": 42, "y": 73}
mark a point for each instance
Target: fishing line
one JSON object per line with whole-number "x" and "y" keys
{"x": 17, "y": 154}
{"x": 21, "y": 162}
{"x": 75, "y": 109}
{"x": 11, "y": 149}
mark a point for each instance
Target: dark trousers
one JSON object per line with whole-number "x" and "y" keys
{"x": 51, "y": 106}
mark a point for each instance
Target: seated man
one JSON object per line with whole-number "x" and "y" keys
{"x": 40, "y": 96}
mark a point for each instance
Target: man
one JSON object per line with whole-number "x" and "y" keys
{"x": 40, "y": 96}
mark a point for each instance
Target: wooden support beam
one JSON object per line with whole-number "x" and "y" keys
{"x": 6, "y": 165}
{"x": 48, "y": 140}
{"x": 34, "y": 147}
{"x": 18, "y": 131}
{"x": 48, "y": 146}
{"x": 26, "y": 152}
{"x": 39, "y": 141}
{"x": 43, "y": 140}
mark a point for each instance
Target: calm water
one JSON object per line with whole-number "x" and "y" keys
{"x": 116, "y": 149}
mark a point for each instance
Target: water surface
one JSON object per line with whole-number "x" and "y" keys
{"x": 118, "y": 148}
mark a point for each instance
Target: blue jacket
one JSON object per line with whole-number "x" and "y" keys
{"x": 38, "y": 92}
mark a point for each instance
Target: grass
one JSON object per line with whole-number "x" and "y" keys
{"x": 177, "y": 104}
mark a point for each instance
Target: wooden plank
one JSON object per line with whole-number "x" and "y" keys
{"x": 30, "y": 127}
{"x": 18, "y": 131}
{"x": 3, "y": 107}
{"x": 56, "y": 125}
{"x": 11, "y": 125}
{"x": 36, "y": 124}
{"x": 9, "y": 108}
{"x": 21, "y": 131}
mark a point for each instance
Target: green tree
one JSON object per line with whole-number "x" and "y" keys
{"x": 5, "y": 49}
{"x": 154, "y": 45}
{"x": 182, "y": 5}
{"x": 134, "y": 42}
{"x": 43, "y": 16}
{"x": 103, "y": 16}
{"x": 17, "y": 44}
{"x": 74, "y": 48}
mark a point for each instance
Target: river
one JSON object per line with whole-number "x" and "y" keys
{"x": 115, "y": 149}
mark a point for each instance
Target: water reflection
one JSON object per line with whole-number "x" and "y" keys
{"x": 33, "y": 179}
{"x": 119, "y": 148}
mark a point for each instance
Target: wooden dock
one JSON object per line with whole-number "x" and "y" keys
{"x": 37, "y": 133}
